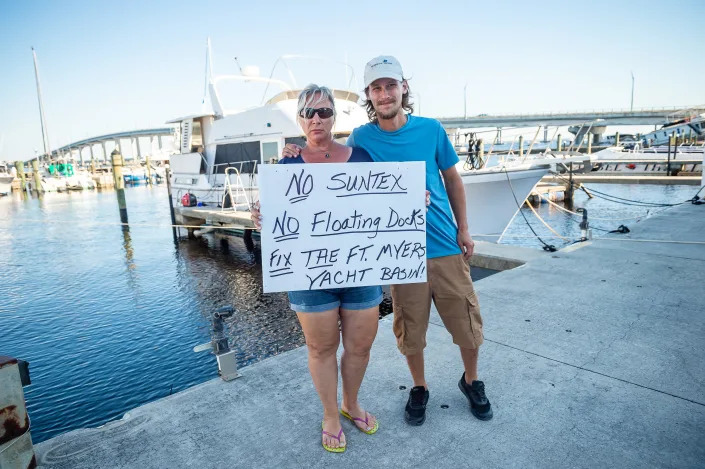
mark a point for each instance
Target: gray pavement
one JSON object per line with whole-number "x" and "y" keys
{"x": 593, "y": 357}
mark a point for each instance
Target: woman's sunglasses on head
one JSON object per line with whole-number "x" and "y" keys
{"x": 323, "y": 112}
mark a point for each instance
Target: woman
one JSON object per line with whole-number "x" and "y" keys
{"x": 319, "y": 311}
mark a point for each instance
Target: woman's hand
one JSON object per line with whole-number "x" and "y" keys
{"x": 428, "y": 199}
{"x": 291, "y": 150}
{"x": 256, "y": 216}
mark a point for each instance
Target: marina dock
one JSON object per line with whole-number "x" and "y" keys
{"x": 614, "y": 178}
{"x": 594, "y": 356}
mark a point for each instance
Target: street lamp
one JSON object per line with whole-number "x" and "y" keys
{"x": 631, "y": 108}
{"x": 465, "y": 101}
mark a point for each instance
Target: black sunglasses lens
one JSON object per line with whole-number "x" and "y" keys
{"x": 323, "y": 112}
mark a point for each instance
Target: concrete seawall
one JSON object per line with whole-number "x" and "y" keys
{"x": 594, "y": 357}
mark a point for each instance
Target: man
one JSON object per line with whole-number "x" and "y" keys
{"x": 392, "y": 136}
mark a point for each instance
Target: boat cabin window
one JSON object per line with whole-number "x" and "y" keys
{"x": 239, "y": 155}
{"x": 196, "y": 136}
{"x": 270, "y": 150}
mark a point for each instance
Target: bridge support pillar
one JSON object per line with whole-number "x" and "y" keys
{"x": 139, "y": 149}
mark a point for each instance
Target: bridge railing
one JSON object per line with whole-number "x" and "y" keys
{"x": 675, "y": 110}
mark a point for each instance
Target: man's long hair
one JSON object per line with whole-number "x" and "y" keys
{"x": 406, "y": 104}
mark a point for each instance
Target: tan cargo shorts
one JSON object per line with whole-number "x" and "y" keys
{"x": 450, "y": 287}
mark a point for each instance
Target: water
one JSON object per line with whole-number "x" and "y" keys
{"x": 108, "y": 318}
{"x": 603, "y": 214}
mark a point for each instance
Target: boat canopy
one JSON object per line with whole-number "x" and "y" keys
{"x": 178, "y": 120}
{"x": 294, "y": 94}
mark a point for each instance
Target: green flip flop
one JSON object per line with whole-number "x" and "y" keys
{"x": 339, "y": 449}
{"x": 365, "y": 421}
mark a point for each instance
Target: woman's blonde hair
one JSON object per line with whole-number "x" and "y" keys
{"x": 312, "y": 94}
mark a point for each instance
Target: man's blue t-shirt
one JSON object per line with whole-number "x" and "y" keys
{"x": 420, "y": 139}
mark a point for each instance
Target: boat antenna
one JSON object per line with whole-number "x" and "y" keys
{"x": 45, "y": 133}
{"x": 208, "y": 74}
{"x": 238, "y": 65}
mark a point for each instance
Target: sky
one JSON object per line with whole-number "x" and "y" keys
{"x": 108, "y": 67}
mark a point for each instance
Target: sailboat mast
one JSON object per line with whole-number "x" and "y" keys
{"x": 45, "y": 133}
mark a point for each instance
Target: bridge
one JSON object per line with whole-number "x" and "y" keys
{"x": 653, "y": 116}
{"x": 114, "y": 140}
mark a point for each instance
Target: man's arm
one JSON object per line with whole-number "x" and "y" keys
{"x": 456, "y": 196}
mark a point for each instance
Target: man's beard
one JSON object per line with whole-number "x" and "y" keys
{"x": 390, "y": 114}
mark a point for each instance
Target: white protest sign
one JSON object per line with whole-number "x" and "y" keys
{"x": 336, "y": 225}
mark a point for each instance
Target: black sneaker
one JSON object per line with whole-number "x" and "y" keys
{"x": 479, "y": 404}
{"x": 415, "y": 412}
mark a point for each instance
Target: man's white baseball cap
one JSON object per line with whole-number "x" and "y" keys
{"x": 384, "y": 66}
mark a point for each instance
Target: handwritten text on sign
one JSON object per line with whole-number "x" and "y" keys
{"x": 337, "y": 225}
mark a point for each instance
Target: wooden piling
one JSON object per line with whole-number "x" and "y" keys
{"x": 149, "y": 170}
{"x": 568, "y": 194}
{"x": 37, "y": 177}
{"x": 119, "y": 183}
{"x": 167, "y": 174}
{"x": 558, "y": 143}
{"x": 668, "y": 164}
{"x": 616, "y": 139}
{"x": 19, "y": 165}
{"x": 521, "y": 146}
{"x": 589, "y": 145}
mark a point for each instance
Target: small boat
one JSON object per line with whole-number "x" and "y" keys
{"x": 687, "y": 127}
{"x": 653, "y": 160}
{"x": 6, "y": 179}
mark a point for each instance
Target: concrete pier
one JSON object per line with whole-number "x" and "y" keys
{"x": 594, "y": 357}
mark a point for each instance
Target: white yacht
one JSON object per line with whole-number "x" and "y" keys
{"x": 652, "y": 160}
{"x": 5, "y": 179}
{"x": 221, "y": 150}
{"x": 683, "y": 128}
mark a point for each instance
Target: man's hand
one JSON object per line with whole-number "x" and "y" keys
{"x": 291, "y": 150}
{"x": 467, "y": 245}
{"x": 256, "y": 216}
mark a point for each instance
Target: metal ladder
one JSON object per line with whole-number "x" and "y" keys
{"x": 238, "y": 185}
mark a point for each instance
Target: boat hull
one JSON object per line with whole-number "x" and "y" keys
{"x": 492, "y": 199}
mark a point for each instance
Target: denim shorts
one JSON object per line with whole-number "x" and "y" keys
{"x": 317, "y": 301}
